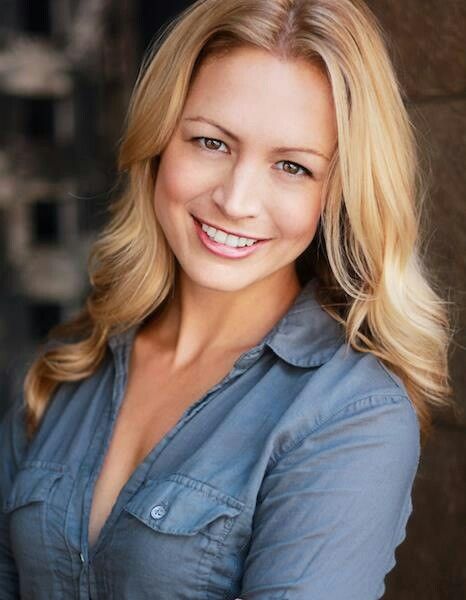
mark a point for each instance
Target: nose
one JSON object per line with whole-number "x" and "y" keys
{"x": 239, "y": 195}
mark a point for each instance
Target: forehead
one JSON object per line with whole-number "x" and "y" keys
{"x": 253, "y": 91}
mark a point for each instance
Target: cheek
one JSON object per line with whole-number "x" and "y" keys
{"x": 299, "y": 222}
{"x": 178, "y": 182}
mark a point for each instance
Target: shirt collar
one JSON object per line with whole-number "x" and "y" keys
{"x": 305, "y": 336}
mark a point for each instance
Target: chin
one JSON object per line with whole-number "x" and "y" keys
{"x": 220, "y": 281}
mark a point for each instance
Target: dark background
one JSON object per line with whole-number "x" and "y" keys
{"x": 67, "y": 68}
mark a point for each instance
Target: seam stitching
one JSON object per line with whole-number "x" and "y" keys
{"x": 352, "y": 404}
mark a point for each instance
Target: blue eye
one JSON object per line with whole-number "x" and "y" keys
{"x": 304, "y": 172}
{"x": 203, "y": 145}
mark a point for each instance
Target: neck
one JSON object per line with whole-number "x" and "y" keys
{"x": 201, "y": 322}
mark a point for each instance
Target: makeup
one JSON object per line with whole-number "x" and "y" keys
{"x": 223, "y": 249}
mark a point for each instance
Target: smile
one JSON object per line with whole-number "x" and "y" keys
{"x": 225, "y": 244}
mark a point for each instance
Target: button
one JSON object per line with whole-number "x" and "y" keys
{"x": 81, "y": 556}
{"x": 158, "y": 511}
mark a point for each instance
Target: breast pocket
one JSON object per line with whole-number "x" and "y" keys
{"x": 28, "y": 506}
{"x": 172, "y": 539}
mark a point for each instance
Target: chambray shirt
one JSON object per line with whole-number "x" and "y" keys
{"x": 290, "y": 478}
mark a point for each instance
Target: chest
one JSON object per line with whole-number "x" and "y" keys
{"x": 152, "y": 405}
{"x": 208, "y": 487}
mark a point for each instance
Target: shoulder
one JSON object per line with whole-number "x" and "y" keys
{"x": 13, "y": 424}
{"x": 351, "y": 394}
{"x": 66, "y": 408}
{"x": 13, "y": 439}
{"x": 350, "y": 377}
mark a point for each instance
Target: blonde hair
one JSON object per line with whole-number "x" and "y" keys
{"x": 367, "y": 253}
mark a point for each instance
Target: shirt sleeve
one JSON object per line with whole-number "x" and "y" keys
{"x": 12, "y": 445}
{"x": 333, "y": 509}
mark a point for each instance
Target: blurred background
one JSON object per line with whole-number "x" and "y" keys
{"x": 67, "y": 68}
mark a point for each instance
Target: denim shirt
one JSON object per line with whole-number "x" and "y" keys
{"x": 290, "y": 478}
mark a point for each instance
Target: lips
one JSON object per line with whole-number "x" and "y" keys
{"x": 245, "y": 235}
{"x": 224, "y": 250}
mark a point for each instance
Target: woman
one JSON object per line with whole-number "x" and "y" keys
{"x": 237, "y": 410}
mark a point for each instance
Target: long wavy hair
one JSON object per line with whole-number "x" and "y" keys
{"x": 368, "y": 252}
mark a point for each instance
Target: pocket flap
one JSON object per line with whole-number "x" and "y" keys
{"x": 32, "y": 483}
{"x": 180, "y": 505}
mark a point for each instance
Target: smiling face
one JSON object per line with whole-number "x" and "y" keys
{"x": 230, "y": 164}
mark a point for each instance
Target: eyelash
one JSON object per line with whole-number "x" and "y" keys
{"x": 305, "y": 172}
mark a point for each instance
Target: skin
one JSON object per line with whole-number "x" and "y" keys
{"x": 221, "y": 306}
{"x": 224, "y": 305}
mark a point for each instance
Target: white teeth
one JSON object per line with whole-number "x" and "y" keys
{"x": 220, "y": 236}
{"x": 228, "y": 239}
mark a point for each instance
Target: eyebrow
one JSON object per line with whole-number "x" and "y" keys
{"x": 234, "y": 137}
